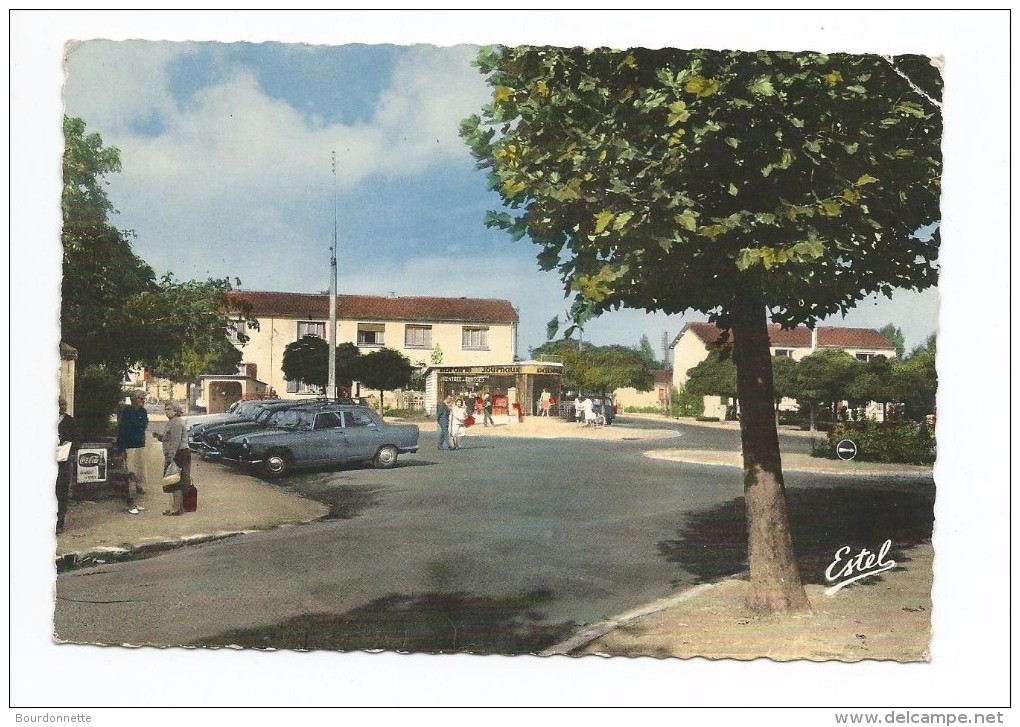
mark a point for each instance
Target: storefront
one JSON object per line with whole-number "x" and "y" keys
{"x": 518, "y": 383}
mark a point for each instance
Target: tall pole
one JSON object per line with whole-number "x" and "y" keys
{"x": 331, "y": 390}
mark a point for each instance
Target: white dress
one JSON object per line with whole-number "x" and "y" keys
{"x": 457, "y": 416}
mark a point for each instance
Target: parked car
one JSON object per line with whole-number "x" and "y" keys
{"x": 244, "y": 410}
{"x": 321, "y": 435}
{"x": 205, "y": 439}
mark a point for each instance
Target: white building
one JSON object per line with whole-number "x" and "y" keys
{"x": 456, "y": 331}
{"x": 693, "y": 343}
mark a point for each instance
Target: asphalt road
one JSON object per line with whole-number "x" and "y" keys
{"x": 505, "y": 546}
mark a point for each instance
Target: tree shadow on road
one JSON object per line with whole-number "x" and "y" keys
{"x": 712, "y": 544}
{"x": 430, "y": 623}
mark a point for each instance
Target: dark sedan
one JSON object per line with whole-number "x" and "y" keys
{"x": 321, "y": 435}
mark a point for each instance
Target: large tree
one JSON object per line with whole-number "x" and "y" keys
{"x": 742, "y": 185}
{"x": 114, "y": 311}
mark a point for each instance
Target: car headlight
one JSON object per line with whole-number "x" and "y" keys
{"x": 244, "y": 445}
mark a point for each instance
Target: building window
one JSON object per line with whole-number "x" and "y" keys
{"x": 235, "y": 331}
{"x": 866, "y": 356}
{"x": 310, "y": 328}
{"x": 371, "y": 334}
{"x": 417, "y": 336}
{"x": 475, "y": 338}
{"x": 784, "y": 352}
{"x": 300, "y": 387}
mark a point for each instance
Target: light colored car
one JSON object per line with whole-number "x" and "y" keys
{"x": 308, "y": 436}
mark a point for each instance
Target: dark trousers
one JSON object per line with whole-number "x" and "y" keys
{"x": 183, "y": 460}
{"x": 63, "y": 491}
{"x": 444, "y": 435}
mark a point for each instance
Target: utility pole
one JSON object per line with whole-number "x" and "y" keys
{"x": 331, "y": 390}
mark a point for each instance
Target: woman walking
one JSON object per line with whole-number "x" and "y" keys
{"x": 457, "y": 426}
{"x": 175, "y": 449}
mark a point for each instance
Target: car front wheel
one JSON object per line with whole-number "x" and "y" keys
{"x": 385, "y": 458}
{"x": 276, "y": 464}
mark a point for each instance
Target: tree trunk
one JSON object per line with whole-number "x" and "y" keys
{"x": 775, "y": 580}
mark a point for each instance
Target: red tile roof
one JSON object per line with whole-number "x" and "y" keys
{"x": 315, "y": 306}
{"x": 662, "y": 377}
{"x": 800, "y": 337}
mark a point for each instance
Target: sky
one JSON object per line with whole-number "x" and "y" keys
{"x": 227, "y": 172}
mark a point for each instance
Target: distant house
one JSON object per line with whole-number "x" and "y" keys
{"x": 658, "y": 397}
{"x": 457, "y": 331}
{"x": 693, "y": 343}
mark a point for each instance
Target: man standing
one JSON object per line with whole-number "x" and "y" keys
{"x": 443, "y": 421}
{"x": 132, "y": 422}
{"x": 68, "y": 439}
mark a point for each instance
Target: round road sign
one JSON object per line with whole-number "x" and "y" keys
{"x": 846, "y": 449}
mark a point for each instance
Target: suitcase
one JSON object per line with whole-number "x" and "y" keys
{"x": 191, "y": 499}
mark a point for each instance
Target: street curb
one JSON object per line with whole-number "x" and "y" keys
{"x": 116, "y": 553}
{"x": 565, "y": 648}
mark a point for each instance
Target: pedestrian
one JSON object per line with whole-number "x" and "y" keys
{"x": 589, "y": 412}
{"x": 487, "y": 410}
{"x": 458, "y": 415}
{"x": 68, "y": 439}
{"x": 579, "y": 410}
{"x": 175, "y": 449}
{"x": 132, "y": 421}
{"x": 443, "y": 421}
{"x": 543, "y": 402}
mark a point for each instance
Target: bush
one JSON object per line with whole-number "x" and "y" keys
{"x": 643, "y": 410}
{"x": 899, "y": 442}
{"x": 405, "y": 413}
{"x": 706, "y": 419}
{"x": 97, "y": 394}
{"x": 684, "y": 404}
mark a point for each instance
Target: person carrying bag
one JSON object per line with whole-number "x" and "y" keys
{"x": 175, "y": 454}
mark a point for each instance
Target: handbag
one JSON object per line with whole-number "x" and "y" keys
{"x": 191, "y": 499}
{"x": 171, "y": 478}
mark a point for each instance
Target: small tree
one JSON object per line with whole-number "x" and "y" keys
{"x": 784, "y": 379}
{"x": 307, "y": 360}
{"x": 826, "y": 376}
{"x": 916, "y": 380}
{"x": 716, "y": 375}
{"x": 895, "y": 336}
{"x": 385, "y": 370}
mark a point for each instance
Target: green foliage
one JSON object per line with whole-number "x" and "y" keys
{"x": 596, "y": 368}
{"x": 97, "y": 393}
{"x": 307, "y": 360}
{"x": 384, "y": 370}
{"x": 895, "y": 336}
{"x": 682, "y": 403}
{"x": 784, "y": 377}
{"x": 916, "y": 381}
{"x": 826, "y": 376}
{"x": 822, "y": 169}
{"x": 901, "y": 442}
{"x": 647, "y": 354}
{"x": 716, "y": 375}
{"x": 113, "y": 310}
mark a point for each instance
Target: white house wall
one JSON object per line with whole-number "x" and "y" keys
{"x": 265, "y": 346}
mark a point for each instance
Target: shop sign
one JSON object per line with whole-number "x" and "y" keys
{"x": 92, "y": 464}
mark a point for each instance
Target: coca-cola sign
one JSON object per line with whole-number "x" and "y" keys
{"x": 92, "y": 464}
{"x": 90, "y": 459}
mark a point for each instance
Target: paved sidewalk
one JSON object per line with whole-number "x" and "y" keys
{"x": 889, "y": 619}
